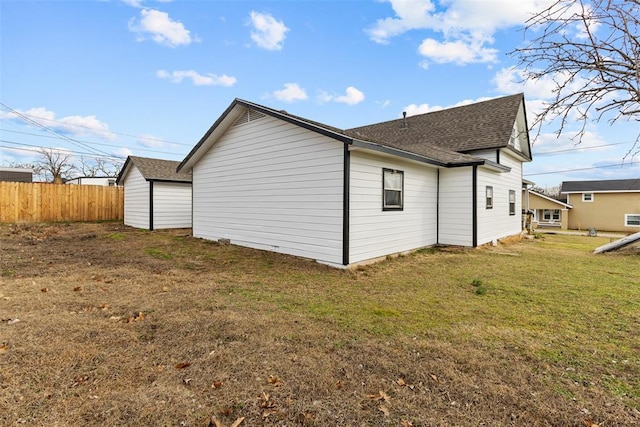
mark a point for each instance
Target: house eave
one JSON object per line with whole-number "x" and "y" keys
{"x": 231, "y": 114}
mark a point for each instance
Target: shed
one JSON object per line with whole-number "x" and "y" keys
{"x": 155, "y": 195}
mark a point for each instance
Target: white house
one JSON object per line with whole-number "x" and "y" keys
{"x": 155, "y": 195}
{"x": 267, "y": 179}
{"x": 106, "y": 181}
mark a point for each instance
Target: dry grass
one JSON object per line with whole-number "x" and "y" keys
{"x": 125, "y": 327}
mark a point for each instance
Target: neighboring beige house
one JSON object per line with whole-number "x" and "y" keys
{"x": 547, "y": 211}
{"x": 611, "y": 205}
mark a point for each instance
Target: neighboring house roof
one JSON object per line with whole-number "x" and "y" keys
{"x": 155, "y": 169}
{"x": 16, "y": 174}
{"x": 437, "y": 138}
{"x": 603, "y": 186}
{"x": 551, "y": 199}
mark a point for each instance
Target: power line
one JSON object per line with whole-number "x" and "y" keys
{"x": 148, "y": 138}
{"x": 40, "y": 125}
{"x": 582, "y": 169}
{"x": 38, "y": 147}
{"x": 545, "y": 153}
{"x": 89, "y": 142}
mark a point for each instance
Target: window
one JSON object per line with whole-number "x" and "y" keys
{"x": 489, "y": 197}
{"x": 587, "y": 197}
{"x": 551, "y": 215}
{"x": 392, "y": 189}
{"x": 512, "y": 202}
{"x": 632, "y": 220}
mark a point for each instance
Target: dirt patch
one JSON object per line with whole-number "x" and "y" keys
{"x": 102, "y": 324}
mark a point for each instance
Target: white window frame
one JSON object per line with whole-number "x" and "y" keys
{"x": 512, "y": 202}
{"x": 489, "y": 197}
{"x": 385, "y": 189}
{"x": 627, "y": 217}
{"x": 551, "y": 214}
{"x": 584, "y": 197}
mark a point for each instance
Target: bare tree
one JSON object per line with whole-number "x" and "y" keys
{"x": 553, "y": 191}
{"x": 98, "y": 166}
{"x": 591, "y": 51}
{"x": 55, "y": 165}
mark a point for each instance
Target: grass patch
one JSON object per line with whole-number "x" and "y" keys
{"x": 559, "y": 332}
{"x": 158, "y": 253}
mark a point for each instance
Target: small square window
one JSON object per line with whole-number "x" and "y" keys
{"x": 587, "y": 197}
{"x": 512, "y": 202}
{"x": 632, "y": 220}
{"x": 392, "y": 190}
{"x": 489, "y": 197}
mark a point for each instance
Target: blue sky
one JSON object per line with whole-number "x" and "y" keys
{"x": 148, "y": 78}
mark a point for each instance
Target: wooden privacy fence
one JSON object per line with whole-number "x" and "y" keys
{"x": 41, "y": 202}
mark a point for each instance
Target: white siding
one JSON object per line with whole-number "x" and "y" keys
{"x": 496, "y": 223}
{"x": 136, "y": 199}
{"x": 271, "y": 185}
{"x": 456, "y": 202}
{"x": 171, "y": 205}
{"x": 374, "y": 232}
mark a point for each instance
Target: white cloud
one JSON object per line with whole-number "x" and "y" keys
{"x": 122, "y": 152}
{"x": 161, "y": 27}
{"x": 70, "y": 125}
{"x": 133, "y": 3}
{"x": 291, "y": 92}
{"x": 415, "y": 109}
{"x": 352, "y": 96}
{"x": 197, "y": 79}
{"x": 150, "y": 141}
{"x": 268, "y": 33}
{"x": 459, "y": 52}
{"x": 466, "y": 26}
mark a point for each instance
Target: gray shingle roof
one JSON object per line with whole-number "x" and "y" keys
{"x": 447, "y": 137}
{"x": 479, "y": 126}
{"x": 157, "y": 169}
{"x": 602, "y": 185}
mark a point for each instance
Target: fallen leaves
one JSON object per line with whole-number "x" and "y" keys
{"x": 216, "y": 385}
{"x": 182, "y": 365}
{"x": 380, "y": 396}
{"x": 77, "y": 289}
{"x": 274, "y": 381}
{"x": 214, "y": 422}
{"x": 590, "y": 423}
{"x": 136, "y": 317}
{"x": 44, "y": 290}
{"x": 4, "y": 349}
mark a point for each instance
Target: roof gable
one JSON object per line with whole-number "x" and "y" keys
{"x": 550, "y": 199}
{"x": 154, "y": 170}
{"x": 618, "y": 185}
{"x": 443, "y": 138}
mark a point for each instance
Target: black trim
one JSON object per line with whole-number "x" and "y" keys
{"x": 474, "y": 201}
{"x": 401, "y": 208}
{"x": 498, "y": 156}
{"x": 346, "y": 189}
{"x": 151, "y": 205}
{"x": 438, "y": 207}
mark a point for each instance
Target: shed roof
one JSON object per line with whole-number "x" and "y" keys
{"x": 155, "y": 169}
{"x": 609, "y": 185}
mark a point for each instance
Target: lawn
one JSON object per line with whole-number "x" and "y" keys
{"x": 102, "y": 324}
